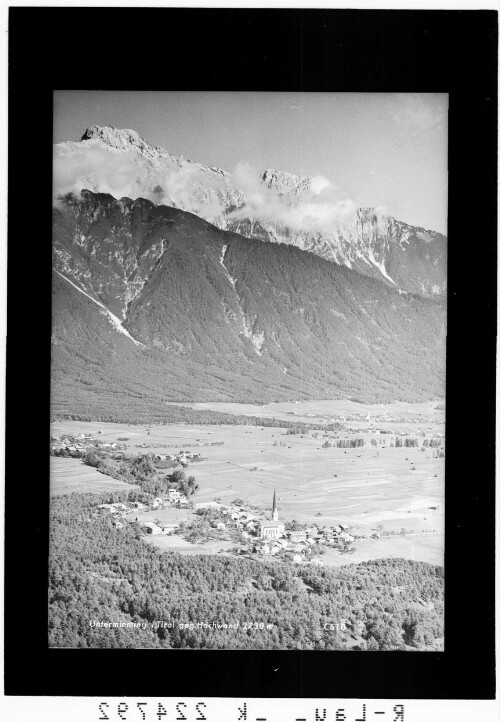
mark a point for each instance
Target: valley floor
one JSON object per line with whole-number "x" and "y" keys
{"x": 428, "y": 414}
{"x": 370, "y": 488}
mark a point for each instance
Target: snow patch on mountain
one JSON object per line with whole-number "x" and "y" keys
{"x": 231, "y": 280}
{"x": 115, "y": 321}
{"x": 257, "y": 339}
{"x": 379, "y": 265}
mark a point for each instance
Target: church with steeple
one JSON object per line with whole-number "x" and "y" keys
{"x": 272, "y": 529}
{"x": 275, "y": 508}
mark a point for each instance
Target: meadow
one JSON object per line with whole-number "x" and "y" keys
{"x": 367, "y": 488}
{"x": 429, "y": 415}
{"x": 72, "y": 475}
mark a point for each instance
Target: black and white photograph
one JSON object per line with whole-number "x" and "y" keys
{"x": 249, "y": 320}
{"x": 250, "y": 363}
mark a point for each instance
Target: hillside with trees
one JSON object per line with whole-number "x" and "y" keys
{"x": 221, "y": 318}
{"x": 104, "y": 574}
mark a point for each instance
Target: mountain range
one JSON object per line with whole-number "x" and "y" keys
{"x": 273, "y": 206}
{"x": 154, "y": 304}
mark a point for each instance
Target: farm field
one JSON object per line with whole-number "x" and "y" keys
{"x": 171, "y": 514}
{"x": 421, "y": 547}
{"x": 72, "y": 475}
{"x": 361, "y": 487}
{"x": 175, "y": 543}
{"x": 429, "y": 414}
{"x": 365, "y": 488}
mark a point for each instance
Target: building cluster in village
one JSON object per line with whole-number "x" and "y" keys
{"x": 78, "y": 446}
{"x": 123, "y": 512}
{"x": 259, "y": 536}
{"x": 372, "y": 417}
{"x": 256, "y": 534}
{"x": 297, "y": 545}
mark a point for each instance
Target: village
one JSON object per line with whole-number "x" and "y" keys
{"x": 77, "y": 447}
{"x": 252, "y": 533}
{"x": 208, "y": 489}
{"x": 245, "y": 525}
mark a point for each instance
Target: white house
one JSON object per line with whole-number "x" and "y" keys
{"x": 346, "y": 537}
{"x": 296, "y": 536}
{"x": 152, "y": 528}
{"x": 168, "y": 527}
{"x": 208, "y": 505}
{"x": 281, "y": 544}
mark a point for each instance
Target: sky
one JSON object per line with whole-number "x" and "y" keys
{"x": 383, "y": 150}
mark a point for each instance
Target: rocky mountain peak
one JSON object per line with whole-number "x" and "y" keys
{"x": 122, "y": 162}
{"x": 121, "y": 138}
{"x": 283, "y": 181}
{"x": 367, "y": 212}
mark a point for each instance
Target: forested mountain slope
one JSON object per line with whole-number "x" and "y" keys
{"x": 153, "y": 304}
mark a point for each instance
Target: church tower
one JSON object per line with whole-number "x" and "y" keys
{"x": 275, "y": 508}
{"x": 272, "y": 529}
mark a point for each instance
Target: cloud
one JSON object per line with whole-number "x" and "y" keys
{"x": 123, "y": 173}
{"x": 318, "y": 184}
{"x": 313, "y": 205}
{"x": 420, "y": 112}
{"x": 316, "y": 206}
{"x": 98, "y": 169}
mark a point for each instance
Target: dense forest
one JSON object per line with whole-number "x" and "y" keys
{"x": 176, "y": 414}
{"x": 221, "y": 318}
{"x": 99, "y": 573}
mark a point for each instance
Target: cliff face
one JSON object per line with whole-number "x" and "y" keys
{"x": 276, "y": 207}
{"x": 410, "y": 259}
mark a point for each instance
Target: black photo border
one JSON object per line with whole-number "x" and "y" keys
{"x": 447, "y": 51}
